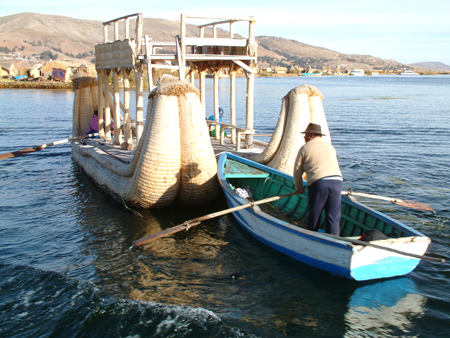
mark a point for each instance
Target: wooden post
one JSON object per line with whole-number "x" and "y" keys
{"x": 233, "y": 104}
{"x": 182, "y": 57}
{"x": 192, "y": 76}
{"x": 101, "y": 105}
{"x": 139, "y": 24}
{"x": 216, "y": 103}
{"x": 127, "y": 28}
{"x": 249, "y": 109}
{"x": 128, "y": 144}
{"x": 139, "y": 102}
{"x": 251, "y": 51}
{"x": 202, "y": 35}
{"x": 148, "y": 53}
{"x": 105, "y": 94}
{"x": 202, "y": 90}
{"x": 231, "y": 29}
{"x": 116, "y": 30}
{"x": 117, "y": 122}
{"x": 105, "y": 33}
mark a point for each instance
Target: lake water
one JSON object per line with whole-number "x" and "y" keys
{"x": 66, "y": 268}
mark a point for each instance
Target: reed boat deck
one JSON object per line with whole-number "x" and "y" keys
{"x": 125, "y": 156}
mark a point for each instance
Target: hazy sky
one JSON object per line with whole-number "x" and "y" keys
{"x": 406, "y": 31}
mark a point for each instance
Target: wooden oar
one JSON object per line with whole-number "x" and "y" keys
{"x": 197, "y": 221}
{"x": 404, "y": 203}
{"x": 43, "y": 146}
{"x": 356, "y": 241}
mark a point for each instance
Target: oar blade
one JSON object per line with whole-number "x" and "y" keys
{"x": 17, "y": 153}
{"x": 414, "y": 205}
{"x": 164, "y": 233}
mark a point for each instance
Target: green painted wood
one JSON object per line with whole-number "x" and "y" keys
{"x": 354, "y": 221}
{"x": 234, "y": 169}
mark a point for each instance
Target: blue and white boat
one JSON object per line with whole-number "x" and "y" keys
{"x": 281, "y": 225}
{"x": 357, "y": 72}
{"x": 408, "y": 72}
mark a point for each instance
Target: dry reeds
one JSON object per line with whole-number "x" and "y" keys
{"x": 174, "y": 156}
{"x": 299, "y": 107}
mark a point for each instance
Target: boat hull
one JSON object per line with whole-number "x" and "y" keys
{"x": 318, "y": 249}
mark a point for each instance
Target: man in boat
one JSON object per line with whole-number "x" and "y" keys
{"x": 317, "y": 158}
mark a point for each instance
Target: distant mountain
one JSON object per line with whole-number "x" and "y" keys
{"x": 32, "y": 33}
{"x": 74, "y": 39}
{"x": 439, "y": 66}
{"x": 294, "y": 52}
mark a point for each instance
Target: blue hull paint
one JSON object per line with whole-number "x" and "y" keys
{"x": 273, "y": 232}
{"x": 337, "y": 270}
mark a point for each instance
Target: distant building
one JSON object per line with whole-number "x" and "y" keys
{"x": 7, "y": 68}
{"x": 265, "y": 69}
{"x": 35, "y": 71}
{"x": 59, "y": 70}
{"x": 280, "y": 70}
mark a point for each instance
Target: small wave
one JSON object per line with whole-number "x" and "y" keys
{"x": 45, "y": 303}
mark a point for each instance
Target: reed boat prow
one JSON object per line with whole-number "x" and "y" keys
{"x": 281, "y": 225}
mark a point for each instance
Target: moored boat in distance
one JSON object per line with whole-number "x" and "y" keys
{"x": 357, "y": 72}
{"x": 281, "y": 225}
{"x": 311, "y": 74}
{"x": 408, "y": 72}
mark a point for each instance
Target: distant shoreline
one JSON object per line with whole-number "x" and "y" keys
{"x": 35, "y": 85}
{"x": 69, "y": 85}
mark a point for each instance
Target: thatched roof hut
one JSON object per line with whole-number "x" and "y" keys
{"x": 7, "y": 68}
{"x": 34, "y": 71}
{"x": 66, "y": 69}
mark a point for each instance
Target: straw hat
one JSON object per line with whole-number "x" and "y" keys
{"x": 313, "y": 129}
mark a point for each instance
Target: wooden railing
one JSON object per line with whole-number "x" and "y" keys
{"x": 239, "y": 132}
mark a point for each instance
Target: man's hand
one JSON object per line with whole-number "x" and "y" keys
{"x": 300, "y": 190}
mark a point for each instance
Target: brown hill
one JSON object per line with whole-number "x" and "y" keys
{"x": 439, "y": 66}
{"x": 292, "y": 52}
{"x": 72, "y": 39}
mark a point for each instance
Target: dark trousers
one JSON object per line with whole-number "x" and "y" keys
{"x": 325, "y": 194}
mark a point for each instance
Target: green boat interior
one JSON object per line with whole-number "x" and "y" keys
{"x": 354, "y": 222}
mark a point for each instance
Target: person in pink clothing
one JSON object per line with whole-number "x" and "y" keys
{"x": 93, "y": 127}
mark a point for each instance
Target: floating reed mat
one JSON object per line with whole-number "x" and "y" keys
{"x": 174, "y": 157}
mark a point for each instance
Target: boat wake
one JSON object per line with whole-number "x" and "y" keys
{"x": 37, "y": 303}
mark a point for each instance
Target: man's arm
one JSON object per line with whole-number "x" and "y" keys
{"x": 298, "y": 174}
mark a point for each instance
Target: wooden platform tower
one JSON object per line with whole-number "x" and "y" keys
{"x": 200, "y": 54}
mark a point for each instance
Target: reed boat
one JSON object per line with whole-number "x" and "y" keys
{"x": 281, "y": 225}
{"x": 149, "y": 160}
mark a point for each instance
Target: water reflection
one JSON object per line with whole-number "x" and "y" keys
{"x": 388, "y": 305}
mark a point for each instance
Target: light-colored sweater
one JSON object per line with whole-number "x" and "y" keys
{"x": 317, "y": 158}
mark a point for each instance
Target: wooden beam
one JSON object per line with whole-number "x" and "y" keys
{"x": 121, "y": 18}
{"x": 243, "y": 65}
{"x": 227, "y": 42}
